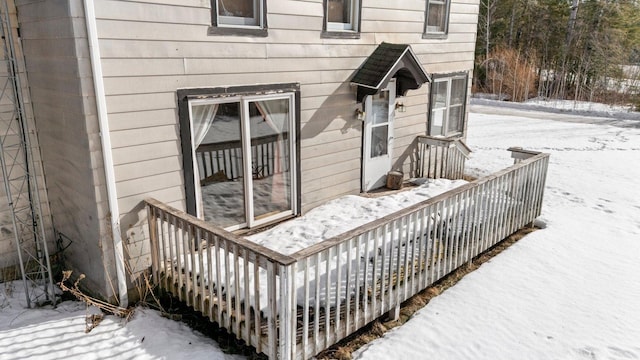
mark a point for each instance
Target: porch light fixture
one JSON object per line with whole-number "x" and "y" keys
{"x": 400, "y": 107}
{"x": 360, "y": 114}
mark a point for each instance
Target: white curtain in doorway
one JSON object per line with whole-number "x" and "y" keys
{"x": 202, "y": 117}
{"x": 267, "y": 108}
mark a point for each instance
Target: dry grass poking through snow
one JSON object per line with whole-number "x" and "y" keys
{"x": 375, "y": 330}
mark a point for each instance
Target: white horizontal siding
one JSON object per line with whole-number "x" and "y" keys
{"x": 151, "y": 48}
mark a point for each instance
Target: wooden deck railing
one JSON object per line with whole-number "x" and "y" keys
{"x": 235, "y": 282}
{"x": 226, "y": 157}
{"x": 441, "y": 157}
{"x": 292, "y": 307}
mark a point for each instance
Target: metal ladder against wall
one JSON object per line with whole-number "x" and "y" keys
{"x": 19, "y": 176}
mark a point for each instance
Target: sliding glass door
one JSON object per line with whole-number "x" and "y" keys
{"x": 243, "y": 151}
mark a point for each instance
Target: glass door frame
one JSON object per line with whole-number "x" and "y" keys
{"x": 246, "y": 143}
{"x": 245, "y": 132}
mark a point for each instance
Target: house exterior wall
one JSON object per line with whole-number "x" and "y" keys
{"x": 59, "y": 70}
{"x": 151, "y": 48}
{"x": 9, "y": 266}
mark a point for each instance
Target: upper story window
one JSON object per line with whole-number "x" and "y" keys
{"x": 437, "y": 18}
{"x": 239, "y": 17}
{"x": 341, "y": 19}
{"x": 448, "y": 101}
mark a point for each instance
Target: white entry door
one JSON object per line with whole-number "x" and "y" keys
{"x": 378, "y": 137}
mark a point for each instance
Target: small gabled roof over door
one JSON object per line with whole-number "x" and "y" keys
{"x": 386, "y": 62}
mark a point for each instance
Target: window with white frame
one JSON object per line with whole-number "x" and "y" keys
{"x": 341, "y": 17}
{"x": 448, "y": 100}
{"x": 437, "y": 18}
{"x": 239, "y": 17}
{"x": 239, "y": 154}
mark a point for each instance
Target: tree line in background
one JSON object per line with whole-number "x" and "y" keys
{"x": 561, "y": 49}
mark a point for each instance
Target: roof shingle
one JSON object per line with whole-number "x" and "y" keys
{"x": 388, "y": 61}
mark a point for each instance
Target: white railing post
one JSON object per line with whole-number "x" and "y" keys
{"x": 286, "y": 312}
{"x": 441, "y": 157}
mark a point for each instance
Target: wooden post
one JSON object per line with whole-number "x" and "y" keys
{"x": 155, "y": 248}
{"x": 393, "y": 314}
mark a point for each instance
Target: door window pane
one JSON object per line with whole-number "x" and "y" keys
{"x": 219, "y": 159}
{"x": 380, "y": 107}
{"x": 270, "y": 161}
{"x": 339, "y": 11}
{"x": 379, "y": 141}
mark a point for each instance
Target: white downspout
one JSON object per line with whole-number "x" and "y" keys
{"x": 103, "y": 120}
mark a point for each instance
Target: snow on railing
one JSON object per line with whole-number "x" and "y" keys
{"x": 441, "y": 157}
{"x": 296, "y": 306}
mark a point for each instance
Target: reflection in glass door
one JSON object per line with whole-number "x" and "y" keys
{"x": 243, "y": 159}
{"x": 219, "y": 169}
{"x": 270, "y": 161}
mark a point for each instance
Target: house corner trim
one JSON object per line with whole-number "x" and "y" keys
{"x": 101, "y": 104}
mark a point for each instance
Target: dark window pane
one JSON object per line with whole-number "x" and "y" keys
{"x": 436, "y": 20}
{"x": 339, "y": 11}
{"x": 239, "y": 12}
{"x": 458, "y": 87}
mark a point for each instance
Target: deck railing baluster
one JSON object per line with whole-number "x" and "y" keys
{"x": 327, "y": 307}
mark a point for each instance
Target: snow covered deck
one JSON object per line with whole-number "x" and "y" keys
{"x": 292, "y": 299}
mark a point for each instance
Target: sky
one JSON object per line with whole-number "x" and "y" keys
{"x": 568, "y": 291}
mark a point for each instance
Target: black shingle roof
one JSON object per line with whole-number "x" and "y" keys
{"x": 388, "y": 61}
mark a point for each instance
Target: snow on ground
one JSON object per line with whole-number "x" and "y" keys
{"x": 551, "y": 107}
{"x": 570, "y": 291}
{"x": 570, "y": 105}
{"x": 47, "y": 333}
